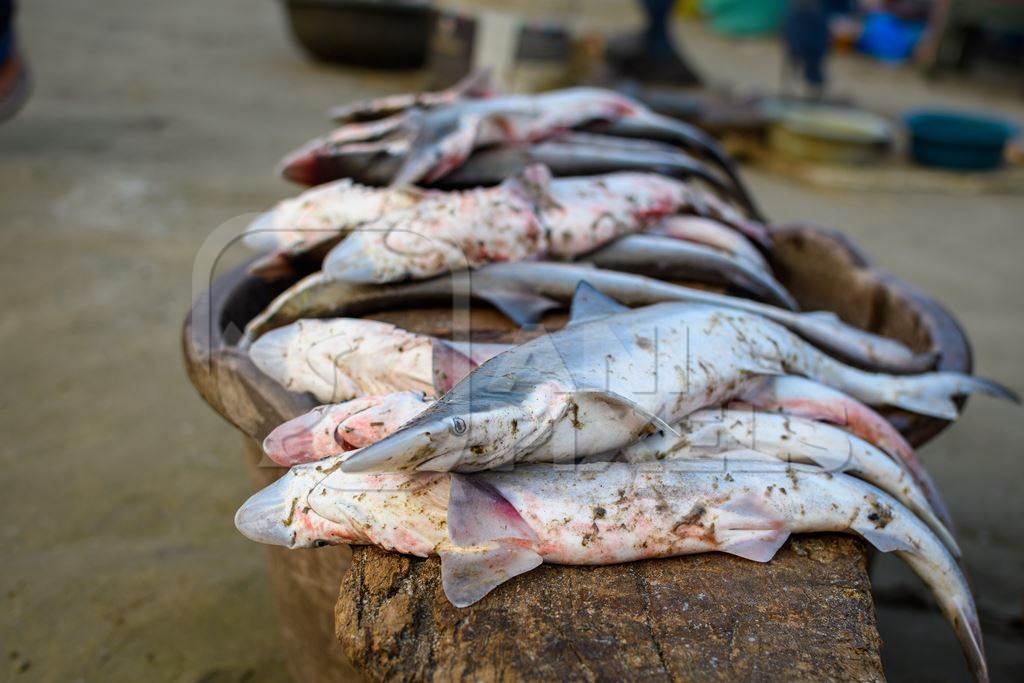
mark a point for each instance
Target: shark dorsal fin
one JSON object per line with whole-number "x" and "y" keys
{"x": 590, "y": 304}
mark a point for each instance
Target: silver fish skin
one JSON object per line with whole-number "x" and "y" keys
{"x": 540, "y": 286}
{"x": 492, "y": 526}
{"x": 805, "y": 398}
{"x": 575, "y": 154}
{"x": 707, "y": 434}
{"x": 527, "y": 217}
{"x": 711, "y": 233}
{"x": 605, "y": 379}
{"x": 678, "y": 259}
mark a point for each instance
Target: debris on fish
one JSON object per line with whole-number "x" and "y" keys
{"x": 674, "y": 259}
{"x": 707, "y": 434}
{"x": 344, "y": 358}
{"x": 526, "y": 217}
{"x": 436, "y": 141}
{"x": 614, "y": 374}
{"x": 333, "y": 429}
{"x": 281, "y": 514}
{"x": 490, "y": 527}
{"x": 523, "y": 291}
{"x": 318, "y": 217}
{"x": 710, "y": 233}
{"x": 806, "y": 398}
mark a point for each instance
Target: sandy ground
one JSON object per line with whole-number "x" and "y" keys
{"x": 155, "y": 122}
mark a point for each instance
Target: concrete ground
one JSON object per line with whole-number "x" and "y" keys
{"x": 153, "y": 123}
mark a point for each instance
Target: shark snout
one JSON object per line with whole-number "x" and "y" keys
{"x": 264, "y": 517}
{"x": 292, "y": 442}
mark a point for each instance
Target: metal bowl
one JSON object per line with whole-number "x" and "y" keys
{"x": 830, "y": 134}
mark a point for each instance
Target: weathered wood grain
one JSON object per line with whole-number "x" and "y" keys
{"x": 807, "y": 615}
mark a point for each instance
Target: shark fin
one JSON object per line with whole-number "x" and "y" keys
{"x": 883, "y": 542}
{"x": 493, "y": 542}
{"x": 588, "y": 303}
{"x": 469, "y": 574}
{"x": 434, "y": 154}
{"x": 478, "y": 514}
{"x": 534, "y": 182}
{"x": 613, "y": 397}
{"x": 521, "y": 307}
{"x": 748, "y": 527}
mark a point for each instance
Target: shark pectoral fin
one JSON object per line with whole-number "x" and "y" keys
{"x": 884, "y": 542}
{"x": 758, "y": 546}
{"x": 628, "y": 403}
{"x": 534, "y": 182}
{"x": 434, "y": 153}
{"x": 492, "y": 541}
{"x": 588, "y": 303}
{"x": 478, "y": 514}
{"x": 746, "y": 526}
{"x": 468, "y": 574}
{"x": 521, "y": 307}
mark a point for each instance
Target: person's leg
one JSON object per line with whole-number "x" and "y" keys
{"x": 14, "y": 83}
{"x": 656, "y": 33}
{"x": 651, "y": 55}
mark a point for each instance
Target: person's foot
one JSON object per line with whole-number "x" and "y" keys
{"x": 632, "y": 57}
{"x": 14, "y": 82}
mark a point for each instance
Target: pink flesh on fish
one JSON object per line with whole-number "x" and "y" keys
{"x": 324, "y": 212}
{"x": 527, "y": 217}
{"x": 334, "y": 429}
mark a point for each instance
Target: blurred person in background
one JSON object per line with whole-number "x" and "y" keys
{"x": 14, "y": 81}
{"x": 806, "y": 37}
{"x": 651, "y": 55}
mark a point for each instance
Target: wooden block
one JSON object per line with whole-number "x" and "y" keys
{"x": 806, "y": 615}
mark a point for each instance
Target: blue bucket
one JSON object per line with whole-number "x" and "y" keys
{"x": 958, "y": 140}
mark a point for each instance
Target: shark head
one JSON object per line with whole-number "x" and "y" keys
{"x": 467, "y": 430}
{"x": 280, "y": 514}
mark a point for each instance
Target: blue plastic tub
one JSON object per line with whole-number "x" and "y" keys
{"x": 959, "y": 140}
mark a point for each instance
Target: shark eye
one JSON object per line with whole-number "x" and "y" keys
{"x": 458, "y": 427}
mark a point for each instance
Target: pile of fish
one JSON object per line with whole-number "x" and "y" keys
{"x": 663, "y": 419}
